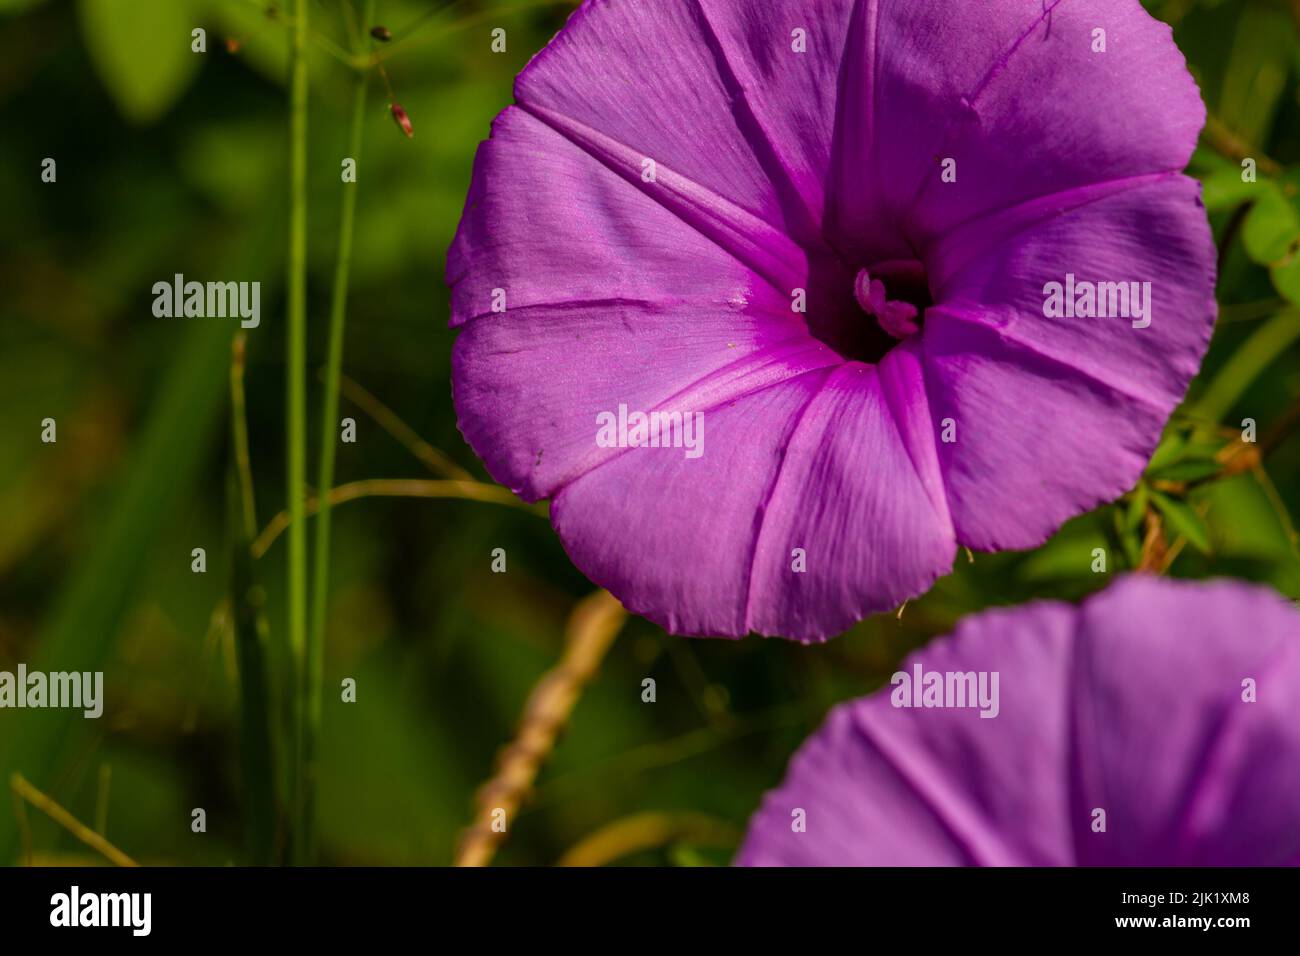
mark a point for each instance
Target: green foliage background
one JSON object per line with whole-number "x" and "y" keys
{"x": 170, "y": 161}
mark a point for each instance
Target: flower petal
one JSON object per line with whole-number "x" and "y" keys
{"x": 636, "y": 525}
{"x": 850, "y": 497}
{"x": 714, "y": 90}
{"x": 547, "y": 223}
{"x": 641, "y": 309}
{"x": 886, "y": 786}
{"x": 1056, "y": 415}
{"x": 1188, "y": 772}
{"x": 828, "y": 473}
{"x": 1027, "y": 80}
{"x": 1133, "y": 705}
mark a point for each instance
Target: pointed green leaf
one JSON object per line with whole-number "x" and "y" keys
{"x": 1168, "y": 451}
{"x": 1272, "y": 226}
{"x": 1137, "y": 507}
{"x": 141, "y": 50}
{"x": 1182, "y": 520}
{"x": 1224, "y": 189}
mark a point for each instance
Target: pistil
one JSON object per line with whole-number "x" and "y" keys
{"x": 895, "y": 317}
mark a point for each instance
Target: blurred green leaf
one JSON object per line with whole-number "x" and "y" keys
{"x": 1258, "y": 67}
{"x": 234, "y": 164}
{"x": 1286, "y": 276}
{"x": 683, "y": 854}
{"x": 1271, "y": 233}
{"x": 1129, "y": 538}
{"x": 1168, "y": 451}
{"x": 1224, "y": 189}
{"x": 17, "y": 6}
{"x": 391, "y": 788}
{"x": 85, "y": 621}
{"x": 1189, "y": 471}
{"x": 141, "y": 51}
{"x": 1272, "y": 227}
{"x": 1182, "y": 519}
{"x": 1068, "y": 555}
{"x": 1137, "y": 507}
{"x": 1269, "y": 341}
{"x": 1247, "y": 523}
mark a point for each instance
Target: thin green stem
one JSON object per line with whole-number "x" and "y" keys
{"x": 334, "y": 50}
{"x": 256, "y": 752}
{"x": 239, "y": 434}
{"x": 297, "y": 404}
{"x": 250, "y": 629}
{"x": 350, "y": 24}
{"x": 328, "y": 445}
{"x": 322, "y": 41}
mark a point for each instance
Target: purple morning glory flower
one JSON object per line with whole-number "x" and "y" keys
{"x": 1155, "y": 725}
{"x": 781, "y": 302}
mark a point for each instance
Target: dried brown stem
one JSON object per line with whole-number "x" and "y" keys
{"x": 595, "y": 622}
{"x": 1228, "y": 144}
{"x": 433, "y": 459}
{"x": 393, "y": 488}
{"x": 1154, "y": 546}
{"x": 25, "y": 791}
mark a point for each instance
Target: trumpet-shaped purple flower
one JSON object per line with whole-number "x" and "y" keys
{"x": 780, "y": 302}
{"x": 1158, "y": 724}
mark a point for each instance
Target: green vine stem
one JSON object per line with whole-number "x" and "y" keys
{"x": 328, "y": 445}
{"x": 296, "y": 384}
